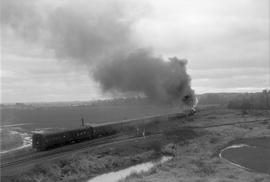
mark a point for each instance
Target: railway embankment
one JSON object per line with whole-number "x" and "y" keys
{"x": 82, "y": 166}
{"x": 151, "y": 143}
{"x": 194, "y": 150}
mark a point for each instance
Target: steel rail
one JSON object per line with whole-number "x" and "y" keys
{"x": 61, "y": 153}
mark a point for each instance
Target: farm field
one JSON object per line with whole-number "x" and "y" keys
{"x": 195, "y": 152}
{"x": 19, "y": 122}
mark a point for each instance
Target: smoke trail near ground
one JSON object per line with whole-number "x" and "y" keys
{"x": 100, "y": 35}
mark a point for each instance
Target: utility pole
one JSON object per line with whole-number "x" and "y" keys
{"x": 82, "y": 119}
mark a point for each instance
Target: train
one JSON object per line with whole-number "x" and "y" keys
{"x": 192, "y": 112}
{"x": 45, "y": 141}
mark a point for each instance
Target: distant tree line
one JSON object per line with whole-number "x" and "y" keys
{"x": 248, "y": 101}
{"x": 217, "y": 98}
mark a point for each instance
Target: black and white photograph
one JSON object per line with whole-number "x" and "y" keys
{"x": 135, "y": 91}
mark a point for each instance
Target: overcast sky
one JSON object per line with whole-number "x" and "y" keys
{"x": 226, "y": 43}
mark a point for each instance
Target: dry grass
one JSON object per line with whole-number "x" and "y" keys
{"x": 79, "y": 168}
{"x": 194, "y": 159}
{"x": 86, "y": 165}
{"x": 197, "y": 160}
{"x": 203, "y": 169}
{"x": 180, "y": 134}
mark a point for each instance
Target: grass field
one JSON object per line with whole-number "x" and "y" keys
{"x": 70, "y": 116}
{"x": 195, "y": 152}
{"x": 44, "y": 117}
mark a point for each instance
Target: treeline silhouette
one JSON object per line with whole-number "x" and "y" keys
{"x": 217, "y": 98}
{"x": 260, "y": 100}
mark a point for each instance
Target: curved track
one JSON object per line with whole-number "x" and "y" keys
{"x": 37, "y": 157}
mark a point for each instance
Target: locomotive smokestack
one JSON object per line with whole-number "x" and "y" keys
{"x": 196, "y": 101}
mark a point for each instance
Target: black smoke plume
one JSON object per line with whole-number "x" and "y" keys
{"x": 142, "y": 72}
{"x": 100, "y": 35}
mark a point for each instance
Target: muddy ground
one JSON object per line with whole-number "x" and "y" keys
{"x": 195, "y": 152}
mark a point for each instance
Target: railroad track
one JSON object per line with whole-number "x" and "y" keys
{"x": 36, "y": 157}
{"x": 68, "y": 148}
{"x": 57, "y": 153}
{"x": 32, "y": 151}
{"x": 32, "y": 156}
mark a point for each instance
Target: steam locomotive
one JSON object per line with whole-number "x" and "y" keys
{"x": 44, "y": 141}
